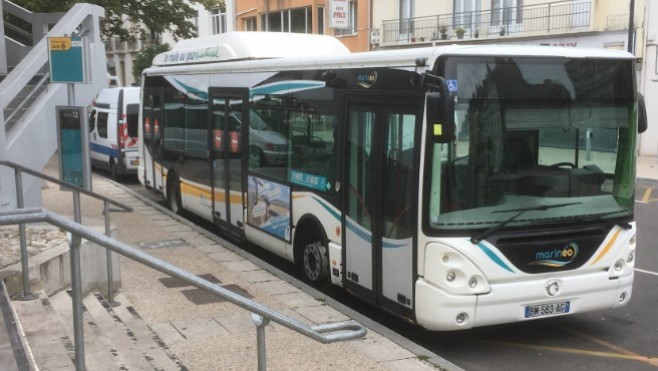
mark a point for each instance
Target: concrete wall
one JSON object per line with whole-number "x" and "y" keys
{"x": 51, "y": 270}
{"x": 649, "y": 79}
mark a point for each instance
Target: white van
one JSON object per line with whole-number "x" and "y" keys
{"x": 113, "y": 127}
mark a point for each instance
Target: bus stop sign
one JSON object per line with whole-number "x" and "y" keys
{"x": 67, "y": 59}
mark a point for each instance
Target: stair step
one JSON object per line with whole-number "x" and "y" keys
{"x": 115, "y": 338}
{"x": 98, "y": 354}
{"x": 45, "y": 334}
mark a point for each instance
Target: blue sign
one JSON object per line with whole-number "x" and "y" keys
{"x": 70, "y": 131}
{"x": 67, "y": 59}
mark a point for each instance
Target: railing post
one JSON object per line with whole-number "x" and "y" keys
{"x": 25, "y": 268}
{"x": 260, "y": 323}
{"x": 108, "y": 257}
{"x": 76, "y": 288}
{"x": 549, "y": 18}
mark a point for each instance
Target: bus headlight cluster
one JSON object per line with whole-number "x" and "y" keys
{"x": 625, "y": 260}
{"x": 453, "y": 272}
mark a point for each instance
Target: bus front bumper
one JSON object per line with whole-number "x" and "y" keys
{"x": 518, "y": 301}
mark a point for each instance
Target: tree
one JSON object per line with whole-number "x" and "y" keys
{"x": 145, "y": 17}
{"x": 145, "y": 57}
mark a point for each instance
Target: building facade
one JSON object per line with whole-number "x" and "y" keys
{"x": 348, "y": 20}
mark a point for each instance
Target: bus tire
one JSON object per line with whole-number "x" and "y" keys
{"x": 173, "y": 195}
{"x": 315, "y": 262}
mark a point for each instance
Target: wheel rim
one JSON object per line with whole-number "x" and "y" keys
{"x": 315, "y": 261}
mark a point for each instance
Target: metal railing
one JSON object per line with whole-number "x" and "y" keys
{"x": 18, "y": 177}
{"x": 261, "y": 314}
{"x": 494, "y": 22}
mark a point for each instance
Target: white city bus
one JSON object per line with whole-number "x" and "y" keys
{"x": 453, "y": 186}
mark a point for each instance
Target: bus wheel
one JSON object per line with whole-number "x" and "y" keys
{"x": 173, "y": 196}
{"x": 316, "y": 262}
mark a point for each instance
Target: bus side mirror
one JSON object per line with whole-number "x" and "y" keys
{"x": 439, "y": 113}
{"x": 642, "y": 123}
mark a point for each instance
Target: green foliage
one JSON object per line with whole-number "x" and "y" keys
{"x": 131, "y": 20}
{"x": 145, "y": 57}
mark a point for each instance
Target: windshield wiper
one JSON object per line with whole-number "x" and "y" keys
{"x": 519, "y": 212}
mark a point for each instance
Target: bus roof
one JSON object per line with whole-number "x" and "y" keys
{"x": 245, "y": 51}
{"x": 232, "y": 46}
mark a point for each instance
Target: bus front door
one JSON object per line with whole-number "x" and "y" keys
{"x": 226, "y": 163}
{"x": 380, "y": 186}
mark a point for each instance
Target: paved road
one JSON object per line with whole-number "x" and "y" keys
{"x": 621, "y": 339}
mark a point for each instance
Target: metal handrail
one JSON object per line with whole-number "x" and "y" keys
{"x": 70, "y": 187}
{"x": 261, "y": 314}
{"x": 27, "y": 98}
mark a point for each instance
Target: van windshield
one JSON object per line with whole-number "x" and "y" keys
{"x": 132, "y": 118}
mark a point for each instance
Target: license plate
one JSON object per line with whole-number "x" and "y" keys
{"x": 549, "y": 309}
{"x": 134, "y": 162}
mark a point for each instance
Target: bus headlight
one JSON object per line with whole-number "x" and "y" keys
{"x": 453, "y": 272}
{"x": 625, "y": 261}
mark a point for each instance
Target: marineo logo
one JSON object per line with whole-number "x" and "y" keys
{"x": 367, "y": 80}
{"x": 556, "y": 257}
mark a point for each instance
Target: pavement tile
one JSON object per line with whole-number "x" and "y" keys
{"x": 257, "y": 276}
{"x": 381, "y": 349}
{"x": 199, "y": 328}
{"x": 237, "y": 323}
{"x": 219, "y": 254}
{"x": 239, "y": 266}
{"x": 298, "y": 300}
{"x": 409, "y": 364}
{"x": 167, "y": 332}
{"x": 322, "y": 314}
{"x": 277, "y": 287}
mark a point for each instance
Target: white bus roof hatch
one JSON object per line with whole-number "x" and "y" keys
{"x": 232, "y": 46}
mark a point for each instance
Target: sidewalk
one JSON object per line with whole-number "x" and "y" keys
{"x": 202, "y": 331}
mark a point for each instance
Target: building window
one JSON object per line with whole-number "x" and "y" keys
{"x": 406, "y": 13}
{"x": 352, "y": 27}
{"x": 291, "y": 20}
{"x": 218, "y": 19}
{"x": 320, "y": 21}
{"x": 506, "y": 12}
{"x": 466, "y": 13}
{"x": 249, "y": 24}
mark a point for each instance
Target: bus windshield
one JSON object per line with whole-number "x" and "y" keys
{"x": 553, "y": 137}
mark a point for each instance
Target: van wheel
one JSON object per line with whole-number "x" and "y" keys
{"x": 315, "y": 263}
{"x": 114, "y": 174}
{"x": 173, "y": 196}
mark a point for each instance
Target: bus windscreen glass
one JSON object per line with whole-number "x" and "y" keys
{"x": 554, "y": 136}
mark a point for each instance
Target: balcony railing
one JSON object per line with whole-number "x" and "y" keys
{"x": 563, "y": 15}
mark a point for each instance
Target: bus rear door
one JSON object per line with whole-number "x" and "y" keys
{"x": 228, "y": 123}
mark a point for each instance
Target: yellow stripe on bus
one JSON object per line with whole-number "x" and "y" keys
{"x": 607, "y": 246}
{"x": 204, "y": 192}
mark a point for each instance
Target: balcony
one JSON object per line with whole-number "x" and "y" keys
{"x": 562, "y": 16}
